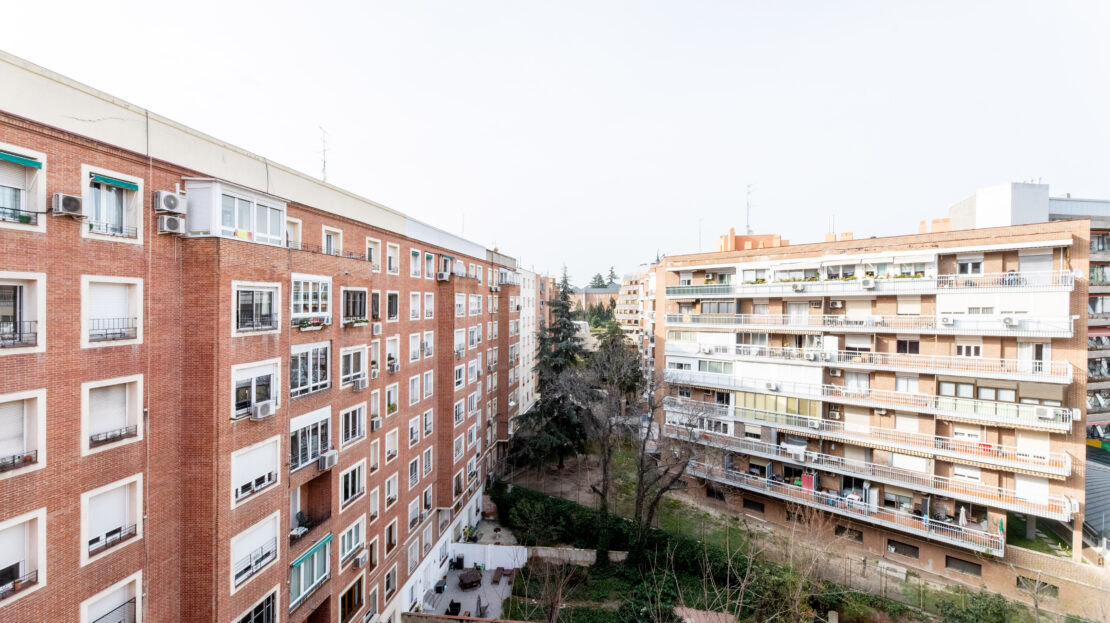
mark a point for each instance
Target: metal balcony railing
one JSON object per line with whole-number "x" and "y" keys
{"x": 18, "y": 333}
{"x": 955, "y": 324}
{"x": 255, "y": 322}
{"x": 13, "y": 215}
{"x": 112, "y": 539}
{"x": 952, "y": 533}
{"x": 100, "y": 439}
{"x": 998, "y": 413}
{"x": 253, "y": 562}
{"x": 105, "y": 228}
{"x": 123, "y": 613}
{"x": 979, "y": 367}
{"x": 1053, "y": 463}
{"x": 104, "y": 329}
{"x": 1053, "y": 507}
{"x": 21, "y": 583}
{"x": 1046, "y": 281}
{"x": 15, "y": 461}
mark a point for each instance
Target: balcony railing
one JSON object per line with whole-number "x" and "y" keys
{"x": 1047, "y": 281}
{"x": 1052, "y": 463}
{"x": 1054, "y": 507}
{"x": 307, "y": 524}
{"x": 105, "y": 228}
{"x": 123, "y": 613}
{"x": 954, "y": 324}
{"x": 998, "y": 413}
{"x": 980, "y": 367}
{"x": 22, "y": 583}
{"x": 17, "y": 334}
{"x": 100, "y": 439}
{"x": 952, "y": 533}
{"x": 113, "y": 538}
{"x": 12, "y": 215}
{"x": 253, "y": 562}
{"x": 16, "y": 461}
{"x": 256, "y": 322}
{"x": 104, "y": 329}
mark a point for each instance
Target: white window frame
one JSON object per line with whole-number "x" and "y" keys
{"x": 38, "y": 553}
{"x": 338, "y": 233}
{"x": 323, "y": 385}
{"x": 429, "y": 305}
{"x": 392, "y": 482}
{"x": 393, "y": 250}
{"x": 428, "y": 461}
{"x": 343, "y": 290}
{"x": 325, "y": 316}
{"x": 416, "y": 261}
{"x": 34, "y": 302}
{"x": 395, "y": 390}
{"x": 414, "y": 353}
{"x": 134, "y": 302}
{"x": 429, "y": 265}
{"x": 354, "y": 350}
{"x": 38, "y": 431}
{"x": 276, "y": 439}
{"x": 459, "y": 448}
{"x": 348, "y": 555}
{"x": 136, "y": 511}
{"x": 429, "y": 386}
{"x": 288, "y": 240}
{"x": 135, "y": 401}
{"x": 459, "y": 413}
{"x": 460, "y": 377}
{"x": 135, "y": 204}
{"x": 385, "y": 304}
{"x": 359, "y": 469}
{"x": 272, "y": 593}
{"x": 275, "y": 383}
{"x": 273, "y": 286}
{"x": 413, "y": 485}
{"x": 34, "y": 197}
{"x": 392, "y": 438}
{"x": 362, "y": 424}
{"x": 135, "y": 579}
{"x": 414, "y": 397}
{"x": 414, "y": 422}
{"x": 460, "y": 305}
{"x": 429, "y": 339}
{"x": 377, "y": 245}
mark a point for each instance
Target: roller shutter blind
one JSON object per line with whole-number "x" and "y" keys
{"x": 107, "y": 408}
{"x": 912, "y": 463}
{"x": 253, "y": 538}
{"x": 1031, "y": 488}
{"x": 13, "y": 545}
{"x": 12, "y": 434}
{"x": 108, "y": 300}
{"x": 255, "y": 464}
{"x": 13, "y": 175}
{"x": 108, "y": 511}
{"x": 857, "y": 309}
{"x": 857, "y": 419}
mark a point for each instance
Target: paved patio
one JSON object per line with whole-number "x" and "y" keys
{"x": 490, "y": 532}
{"x": 492, "y": 594}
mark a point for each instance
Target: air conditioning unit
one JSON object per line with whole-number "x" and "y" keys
{"x": 359, "y": 384}
{"x": 834, "y": 415}
{"x": 362, "y": 558}
{"x": 489, "y": 367}
{"x": 834, "y": 372}
{"x": 1076, "y": 415}
{"x": 836, "y": 304}
{"x": 459, "y": 352}
{"x": 424, "y": 346}
{"x": 377, "y": 328}
{"x": 1009, "y": 321}
{"x": 706, "y": 350}
{"x": 947, "y": 321}
{"x": 375, "y": 424}
{"x": 880, "y": 411}
{"x": 373, "y": 373}
{"x": 394, "y": 366}
{"x": 772, "y": 386}
{"x": 867, "y": 283}
{"x": 815, "y": 304}
{"x": 443, "y": 276}
{"x": 171, "y": 224}
{"x": 69, "y": 205}
{"x": 815, "y": 423}
{"x": 167, "y": 201}
{"x": 1043, "y": 413}
{"x": 811, "y": 356}
{"x": 262, "y": 410}
{"x": 479, "y": 373}
{"x": 798, "y": 287}
{"x": 328, "y": 460}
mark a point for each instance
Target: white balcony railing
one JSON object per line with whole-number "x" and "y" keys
{"x": 978, "y": 540}
{"x": 951, "y": 324}
{"x": 1053, "y": 507}
{"x": 998, "y": 413}
{"x": 1046, "y": 281}
{"x": 980, "y": 367}
{"x": 1057, "y": 464}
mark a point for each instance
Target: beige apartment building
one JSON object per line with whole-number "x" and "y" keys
{"x": 922, "y": 391}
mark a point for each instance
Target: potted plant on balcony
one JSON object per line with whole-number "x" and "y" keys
{"x": 391, "y": 407}
{"x": 311, "y": 324}
{"x": 25, "y": 218}
{"x": 355, "y": 322}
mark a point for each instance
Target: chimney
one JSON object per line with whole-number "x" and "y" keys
{"x": 847, "y": 235}
{"x": 941, "y": 225}
{"x": 922, "y": 228}
{"x": 830, "y": 237}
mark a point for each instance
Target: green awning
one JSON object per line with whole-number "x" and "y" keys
{"x": 450, "y": 257}
{"x": 312, "y": 550}
{"x": 111, "y": 181}
{"x": 20, "y": 160}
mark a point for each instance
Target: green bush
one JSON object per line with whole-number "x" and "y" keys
{"x": 982, "y": 607}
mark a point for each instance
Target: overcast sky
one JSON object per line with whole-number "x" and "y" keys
{"x": 595, "y": 133}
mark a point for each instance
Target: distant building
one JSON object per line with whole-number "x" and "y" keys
{"x": 593, "y": 296}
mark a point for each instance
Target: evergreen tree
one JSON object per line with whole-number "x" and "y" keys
{"x": 598, "y": 281}
{"x": 613, "y": 277}
{"x": 553, "y": 427}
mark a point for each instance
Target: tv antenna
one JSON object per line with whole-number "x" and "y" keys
{"x": 324, "y": 141}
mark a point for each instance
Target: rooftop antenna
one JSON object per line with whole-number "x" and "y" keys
{"x": 748, "y": 208}
{"x": 324, "y": 140}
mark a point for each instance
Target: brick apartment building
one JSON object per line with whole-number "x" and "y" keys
{"x": 585, "y": 297}
{"x": 282, "y": 408}
{"x": 922, "y": 390}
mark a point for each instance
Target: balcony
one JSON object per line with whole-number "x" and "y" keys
{"x": 1036, "y": 417}
{"x": 977, "y": 540}
{"x": 107, "y": 437}
{"x": 108, "y": 329}
{"x": 979, "y": 367}
{"x": 1054, "y": 464}
{"x": 18, "y": 334}
{"x": 1047, "y": 281}
{"x": 245, "y": 322}
{"x": 16, "y": 461}
{"x": 254, "y": 562}
{"x": 1055, "y": 507}
{"x": 22, "y": 583}
{"x": 105, "y": 228}
{"x": 23, "y": 217}
{"x": 123, "y": 613}
{"x": 307, "y": 524}
{"x": 111, "y": 539}
{"x": 956, "y": 324}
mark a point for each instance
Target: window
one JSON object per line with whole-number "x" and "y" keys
{"x": 414, "y": 306}
{"x": 429, "y": 344}
{"x": 414, "y": 389}
{"x": 414, "y": 431}
{"x": 22, "y": 188}
{"x": 849, "y": 533}
{"x": 460, "y": 305}
{"x": 390, "y": 491}
{"x": 414, "y": 552}
{"x": 374, "y": 510}
{"x": 292, "y": 233}
{"x": 248, "y": 219}
{"x": 471, "y": 371}
{"x": 392, "y": 259}
{"x": 392, "y": 306}
{"x": 459, "y": 380}
{"x": 112, "y": 208}
{"x": 390, "y": 578}
{"x": 122, "y": 601}
{"x": 22, "y": 310}
{"x": 390, "y": 399}
{"x": 1037, "y": 587}
{"x": 112, "y": 311}
{"x": 353, "y": 423}
{"x": 414, "y": 264}
{"x": 376, "y": 305}
{"x": 752, "y": 505}
{"x": 460, "y": 413}
{"x": 969, "y": 266}
{"x": 429, "y": 265}
{"x": 374, "y": 254}
{"x": 311, "y": 300}
{"x": 309, "y": 573}
{"x": 352, "y": 365}
{"x": 333, "y": 241}
{"x": 429, "y": 305}
{"x": 414, "y": 346}
{"x": 428, "y": 461}
{"x": 902, "y": 549}
{"x": 968, "y": 349}
{"x": 309, "y": 438}
{"x": 352, "y": 539}
{"x": 963, "y": 566}
{"x": 350, "y": 601}
{"x": 475, "y": 304}
{"x": 428, "y": 383}
{"x": 112, "y": 412}
{"x": 111, "y": 516}
{"x": 354, "y": 306}
{"x": 22, "y": 431}
{"x": 459, "y": 447}
{"x": 254, "y": 468}
{"x": 256, "y": 309}
{"x": 309, "y": 370}
{"x": 352, "y": 483}
{"x": 391, "y": 445}
{"x": 908, "y": 347}
{"x": 264, "y": 612}
{"x": 414, "y": 472}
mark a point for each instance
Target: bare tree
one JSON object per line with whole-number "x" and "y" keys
{"x": 552, "y": 581}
